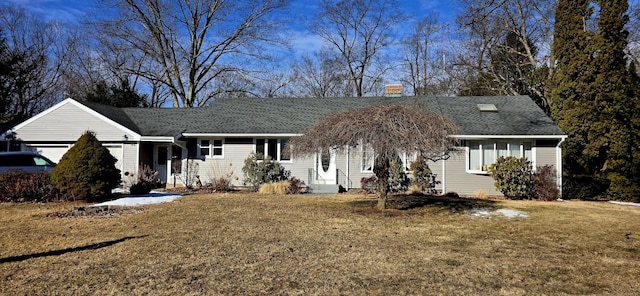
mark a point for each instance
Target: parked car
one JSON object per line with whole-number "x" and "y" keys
{"x": 25, "y": 160}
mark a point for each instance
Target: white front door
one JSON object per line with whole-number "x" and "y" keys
{"x": 326, "y": 167}
{"x": 160, "y": 162}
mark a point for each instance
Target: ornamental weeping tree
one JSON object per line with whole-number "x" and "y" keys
{"x": 387, "y": 130}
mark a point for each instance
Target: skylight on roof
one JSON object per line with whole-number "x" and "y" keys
{"x": 487, "y": 108}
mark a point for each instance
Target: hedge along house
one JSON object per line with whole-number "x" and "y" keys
{"x": 218, "y": 138}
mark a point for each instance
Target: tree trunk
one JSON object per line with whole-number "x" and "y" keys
{"x": 381, "y": 169}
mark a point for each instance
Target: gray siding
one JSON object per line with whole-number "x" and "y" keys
{"x": 231, "y": 163}
{"x": 355, "y": 168}
{"x": 463, "y": 183}
{"x": 130, "y": 158}
{"x": 545, "y": 155}
{"x": 66, "y": 124}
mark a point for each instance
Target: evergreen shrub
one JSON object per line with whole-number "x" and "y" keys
{"x": 398, "y": 180}
{"x": 257, "y": 172}
{"x": 87, "y": 171}
{"x": 513, "y": 177}
{"x": 422, "y": 177}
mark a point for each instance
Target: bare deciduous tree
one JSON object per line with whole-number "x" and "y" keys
{"x": 387, "y": 130}
{"x": 40, "y": 51}
{"x": 321, "y": 75}
{"x": 487, "y": 25}
{"x": 99, "y": 59}
{"x": 359, "y": 30}
{"x": 424, "y": 57}
{"x": 193, "y": 44}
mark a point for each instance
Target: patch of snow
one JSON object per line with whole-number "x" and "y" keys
{"x": 484, "y": 213}
{"x": 480, "y": 212}
{"x": 154, "y": 197}
{"x": 512, "y": 213}
{"x": 622, "y": 203}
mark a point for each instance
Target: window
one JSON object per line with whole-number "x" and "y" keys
{"x": 260, "y": 148}
{"x": 487, "y": 108}
{"x": 367, "y": 160}
{"x": 283, "y": 147}
{"x": 484, "y": 153}
{"x": 204, "y": 147}
{"x": 217, "y": 148}
{"x": 211, "y": 148}
{"x": 274, "y": 148}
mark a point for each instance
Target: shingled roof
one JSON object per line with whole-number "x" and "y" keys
{"x": 515, "y": 115}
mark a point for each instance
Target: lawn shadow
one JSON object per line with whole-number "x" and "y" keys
{"x": 409, "y": 202}
{"x": 68, "y": 250}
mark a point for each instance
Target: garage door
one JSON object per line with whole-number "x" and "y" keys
{"x": 53, "y": 152}
{"x": 116, "y": 151}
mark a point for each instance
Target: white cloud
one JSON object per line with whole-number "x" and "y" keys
{"x": 61, "y": 10}
{"x": 304, "y": 42}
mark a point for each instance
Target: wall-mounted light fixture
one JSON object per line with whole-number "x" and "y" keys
{"x": 125, "y": 137}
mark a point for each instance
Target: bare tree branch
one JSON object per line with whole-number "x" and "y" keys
{"x": 192, "y": 44}
{"x": 386, "y": 129}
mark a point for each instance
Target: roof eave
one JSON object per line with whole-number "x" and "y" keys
{"x": 472, "y": 137}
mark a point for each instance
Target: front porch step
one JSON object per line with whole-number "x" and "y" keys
{"x": 323, "y": 188}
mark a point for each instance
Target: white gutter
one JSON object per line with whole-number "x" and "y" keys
{"x": 468, "y": 137}
{"x": 158, "y": 139}
{"x": 238, "y": 135}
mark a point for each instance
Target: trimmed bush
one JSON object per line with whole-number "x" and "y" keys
{"x": 513, "y": 177}
{"x": 257, "y": 172}
{"x": 544, "y": 183}
{"x": 21, "y": 186}
{"x": 87, "y": 170}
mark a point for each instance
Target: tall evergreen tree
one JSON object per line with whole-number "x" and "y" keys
{"x": 616, "y": 136}
{"x": 593, "y": 97}
{"x": 570, "y": 95}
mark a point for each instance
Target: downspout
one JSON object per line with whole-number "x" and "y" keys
{"x": 346, "y": 185}
{"x": 444, "y": 171}
{"x": 559, "y": 165}
{"x": 444, "y": 176}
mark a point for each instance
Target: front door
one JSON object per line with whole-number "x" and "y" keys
{"x": 326, "y": 167}
{"x": 160, "y": 162}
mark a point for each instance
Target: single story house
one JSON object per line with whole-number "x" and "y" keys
{"x": 218, "y": 138}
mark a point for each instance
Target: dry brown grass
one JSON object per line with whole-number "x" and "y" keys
{"x": 274, "y": 188}
{"x": 324, "y": 245}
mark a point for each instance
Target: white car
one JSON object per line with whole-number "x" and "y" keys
{"x": 26, "y": 161}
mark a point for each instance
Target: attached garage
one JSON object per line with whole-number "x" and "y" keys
{"x": 54, "y": 152}
{"x": 116, "y": 151}
{"x": 51, "y": 151}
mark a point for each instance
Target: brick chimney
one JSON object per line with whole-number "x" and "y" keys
{"x": 393, "y": 90}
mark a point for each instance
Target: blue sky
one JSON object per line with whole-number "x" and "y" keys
{"x": 71, "y": 10}
{"x": 301, "y": 41}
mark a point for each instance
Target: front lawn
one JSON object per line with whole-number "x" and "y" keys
{"x": 326, "y": 245}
